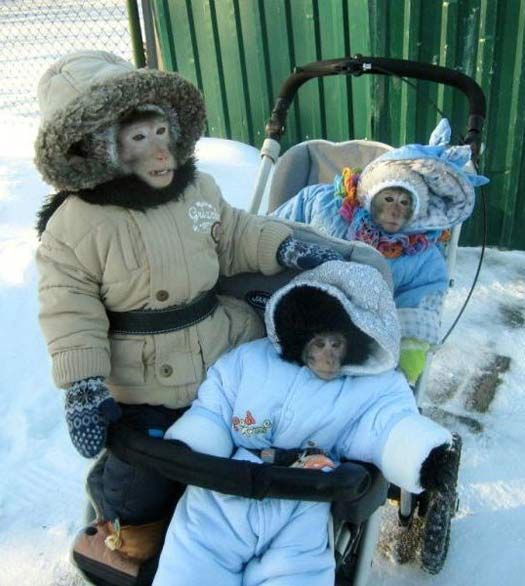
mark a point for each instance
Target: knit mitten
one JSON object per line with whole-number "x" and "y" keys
{"x": 413, "y": 358}
{"x": 295, "y": 254}
{"x": 89, "y": 410}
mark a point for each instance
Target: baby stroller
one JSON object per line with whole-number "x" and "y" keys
{"x": 357, "y": 491}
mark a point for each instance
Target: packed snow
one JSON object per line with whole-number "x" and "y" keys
{"x": 42, "y": 481}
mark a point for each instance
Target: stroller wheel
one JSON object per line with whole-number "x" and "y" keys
{"x": 437, "y": 535}
{"x": 441, "y": 508}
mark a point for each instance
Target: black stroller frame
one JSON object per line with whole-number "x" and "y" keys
{"x": 357, "y": 490}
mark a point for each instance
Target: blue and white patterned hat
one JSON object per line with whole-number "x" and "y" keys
{"x": 436, "y": 175}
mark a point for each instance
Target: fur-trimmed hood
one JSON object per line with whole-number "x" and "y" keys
{"x": 365, "y": 297}
{"x": 85, "y": 93}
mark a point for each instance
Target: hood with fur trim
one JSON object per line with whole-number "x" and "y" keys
{"x": 362, "y": 294}
{"x": 84, "y": 94}
{"x": 436, "y": 175}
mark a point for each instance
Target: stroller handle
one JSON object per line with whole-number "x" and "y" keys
{"x": 175, "y": 460}
{"x": 360, "y": 65}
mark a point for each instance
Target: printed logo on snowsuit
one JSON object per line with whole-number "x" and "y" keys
{"x": 203, "y": 216}
{"x": 247, "y": 425}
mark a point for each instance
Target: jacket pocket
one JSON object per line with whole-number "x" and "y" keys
{"x": 127, "y": 367}
{"x": 177, "y": 361}
{"x": 128, "y": 246}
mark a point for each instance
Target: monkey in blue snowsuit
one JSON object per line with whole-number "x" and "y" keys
{"x": 277, "y": 392}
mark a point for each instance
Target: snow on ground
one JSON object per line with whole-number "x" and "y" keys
{"x": 41, "y": 484}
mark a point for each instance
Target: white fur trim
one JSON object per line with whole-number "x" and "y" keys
{"x": 202, "y": 434}
{"x": 409, "y": 443}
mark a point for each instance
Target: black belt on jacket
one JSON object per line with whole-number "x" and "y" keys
{"x": 161, "y": 321}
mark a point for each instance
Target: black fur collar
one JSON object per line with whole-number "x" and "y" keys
{"x": 127, "y": 192}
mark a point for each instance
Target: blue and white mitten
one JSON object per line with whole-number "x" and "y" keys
{"x": 296, "y": 254}
{"x": 89, "y": 410}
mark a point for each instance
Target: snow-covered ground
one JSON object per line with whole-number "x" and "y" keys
{"x": 41, "y": 479}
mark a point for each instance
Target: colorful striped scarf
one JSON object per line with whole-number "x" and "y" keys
{"x": 362, "y": 227}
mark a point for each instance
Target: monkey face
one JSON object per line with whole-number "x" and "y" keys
{"x": 144, "y": 150}
{"x": 392, "y": 208}
{"x": 324, "y": 354}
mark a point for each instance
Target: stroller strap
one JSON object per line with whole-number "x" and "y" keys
{"x": 160, "y": 321}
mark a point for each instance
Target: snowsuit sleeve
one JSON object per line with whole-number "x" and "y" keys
{"x": 69, "y": 291}
{"x": 420, "y": 284}
{"x": 299, "y": 207}
{"x": 206, "y": 426}
{"x": 391, "y": 433}
{"x": 246, "y": 242}
{"x": 318, "y": 206}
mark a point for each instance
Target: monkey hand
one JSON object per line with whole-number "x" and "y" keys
{"x": 413, "y": 357}
{"x": 440, "y": 468}
{"x": 295, "y": 254}
{"x": 314, "y": 462}
{"x": 89, "y": 410}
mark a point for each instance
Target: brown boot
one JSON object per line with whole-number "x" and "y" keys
{"x": 96, "y": 561}
{"x": 136, "y": 542}
{"x": 113, "y": 553}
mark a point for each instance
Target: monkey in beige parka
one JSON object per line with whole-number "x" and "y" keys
{"x": 129, "y": 244}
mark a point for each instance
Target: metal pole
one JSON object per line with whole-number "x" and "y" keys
{"x": 149, "y": 31}
{"x": 367, "y": 548}
{"x": 452, "y": 252}
{"x": 135, "y": 33}
{"x": 269, "y": 155}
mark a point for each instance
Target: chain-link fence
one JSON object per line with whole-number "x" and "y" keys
{"x": 33, "y": 34}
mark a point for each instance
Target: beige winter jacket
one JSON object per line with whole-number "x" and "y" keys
{"x": 94, "y": 257}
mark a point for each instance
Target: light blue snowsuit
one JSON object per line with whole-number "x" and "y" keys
{"x": 253, "y": 399}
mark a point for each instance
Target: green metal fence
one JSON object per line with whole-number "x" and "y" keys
{"x": 239, "y": 52}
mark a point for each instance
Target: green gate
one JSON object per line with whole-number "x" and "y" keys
{"x": 240, "y": 51}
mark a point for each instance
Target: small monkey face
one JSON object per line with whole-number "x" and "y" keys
{"x": 324, "y": 354}
{"x": 144, "y": 150}
{"x": 392, "y": 208}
